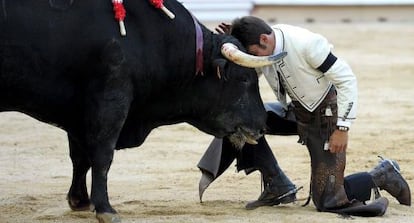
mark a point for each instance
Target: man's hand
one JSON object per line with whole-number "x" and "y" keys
{"x": 224, "y": 28}
{"x": 338, "y": 141}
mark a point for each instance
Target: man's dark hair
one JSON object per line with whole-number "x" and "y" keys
{"x": 248, "y": 29}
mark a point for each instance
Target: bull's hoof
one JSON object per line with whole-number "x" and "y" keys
{"x": 108, "y": 218}
{"x": 79, "y": 205}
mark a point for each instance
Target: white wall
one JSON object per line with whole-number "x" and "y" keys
{"x": 212, "y": 12}
{"x": 333, "y": 2}
{"x": 218, "y": 10}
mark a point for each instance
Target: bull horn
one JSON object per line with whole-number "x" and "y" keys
{"x": 231, "y": 52}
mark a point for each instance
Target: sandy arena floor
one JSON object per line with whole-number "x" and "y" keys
{"x": 158, "y": 182}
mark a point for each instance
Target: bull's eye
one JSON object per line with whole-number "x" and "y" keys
{"x": 243, "y": 79}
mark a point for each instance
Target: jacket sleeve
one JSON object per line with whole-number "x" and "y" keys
{"x": 341, "y": 75}
{"x": 337, "y": 71}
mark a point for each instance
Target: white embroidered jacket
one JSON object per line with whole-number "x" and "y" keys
{"x": 301, "y": 78}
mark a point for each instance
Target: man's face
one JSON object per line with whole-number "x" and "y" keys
{"x": 265, "y": 47}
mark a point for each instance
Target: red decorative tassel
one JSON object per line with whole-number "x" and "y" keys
{"x": 159, "y": 4}
{"x": 120, "y": 13}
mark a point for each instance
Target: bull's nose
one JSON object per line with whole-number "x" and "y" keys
{"x": 262, "y": 132}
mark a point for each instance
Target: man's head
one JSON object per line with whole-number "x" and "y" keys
{"x": 255, "y": 35}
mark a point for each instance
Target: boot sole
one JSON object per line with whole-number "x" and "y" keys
{"x": 285, "y": 198}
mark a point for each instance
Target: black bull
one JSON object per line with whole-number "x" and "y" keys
{"x": 65, "y": 63}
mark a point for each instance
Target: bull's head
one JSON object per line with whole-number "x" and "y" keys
{"x": 241, "y": 93}
{"x": 231, "y": 52}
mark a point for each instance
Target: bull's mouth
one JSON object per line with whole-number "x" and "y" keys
{"x": 243, "y": 136}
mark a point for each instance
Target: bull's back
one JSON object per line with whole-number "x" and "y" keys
{"x": 58, "y": 36}
{"x": 46, "y": 51}
{"x": 65, "y": 38}
{"x": 51, "y": 49}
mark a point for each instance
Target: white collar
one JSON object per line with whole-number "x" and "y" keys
{"x": 278, "y": 41}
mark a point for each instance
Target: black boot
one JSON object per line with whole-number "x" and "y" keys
{"x": 277, "y": 190}
{"x": 277, "y": 186}
{"x": 386, "y": 175}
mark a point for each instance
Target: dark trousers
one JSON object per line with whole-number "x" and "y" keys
{"x": 330, "y": 189}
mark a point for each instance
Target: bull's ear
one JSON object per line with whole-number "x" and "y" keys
{"x": 220, "y": 64}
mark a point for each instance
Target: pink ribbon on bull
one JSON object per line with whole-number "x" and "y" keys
{"x": 159, "y": 4}
{"x": 120, "y": 13}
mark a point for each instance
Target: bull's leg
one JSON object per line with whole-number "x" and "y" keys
{"x": 105, "y": 121}
{"x": 78, "y": 198}
{"x": 101, "y": 162}
{"x": 102, "y": 135}
{"x": 108, "y": 103}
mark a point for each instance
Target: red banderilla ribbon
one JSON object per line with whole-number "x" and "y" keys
{"x": 159, "y": 4}
{"x": 120, "y": 13}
